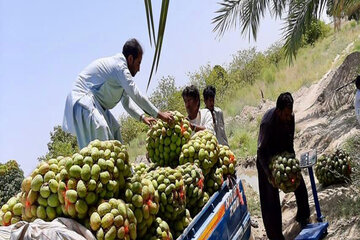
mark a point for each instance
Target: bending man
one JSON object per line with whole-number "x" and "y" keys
{"x": 275, "y": 137}
{"x": 98, "y": 88}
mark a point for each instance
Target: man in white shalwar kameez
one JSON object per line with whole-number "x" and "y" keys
{"x": 200, "y": 119}
{"x": 100, "y": 87}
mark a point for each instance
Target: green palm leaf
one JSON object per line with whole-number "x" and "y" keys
{"x": 301, "y": 12}
{"x": 150, "y": 20}
{"x": 245, "y": 13}
{"x": 250, "y": 13}
{"x": 227, "y": 17}
{"x": 160, "y": 34}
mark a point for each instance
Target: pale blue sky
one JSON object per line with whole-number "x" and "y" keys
{"x": 45, "y": 44}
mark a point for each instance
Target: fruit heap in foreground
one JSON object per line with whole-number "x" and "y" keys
{"x": 227, "y": 160}
{"x": 159, "y": 230}
{"x": 143, "y": 200}
{"x": 99, "y": 188}
{"x": 170, "y": 186}
{"x": 40, "y": 192}
{"x": 113, "y": 219}
{"x": 11, "y": 211}
{"x": 97, "y": 172}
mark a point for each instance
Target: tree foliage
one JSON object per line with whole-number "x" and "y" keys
{"x": 275, "y": 53}
{"x": 61, "y": 144}
{"x": 315, "y": 31}
{"x": 216, "y": 76}
{"x": 167, "y": 97}
{"x": 11, "y": 177}
{"x": 246, "y": 66}
{"x": 130, "y": 128}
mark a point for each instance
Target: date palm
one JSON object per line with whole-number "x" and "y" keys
{"x": 247, "y": 14}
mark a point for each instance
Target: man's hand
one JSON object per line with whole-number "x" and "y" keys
{"x": 149, "y": 121}
{"x": 166, "y": 117}
{"x": 196, "y": 128}
{"x": 231, "y": 180}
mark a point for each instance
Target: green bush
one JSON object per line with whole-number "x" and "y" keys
{"x": 275, "y": 53}
{"x": 61, "y": 144}
{"x": 137, "y": 146}
{"x": 11, "y": 177}
{"x": 268, "y": 74}
{"x": 353, "y": 24}
{"x": 246, "y": 66}
{"x": 242, "y": 138}
{"x": 357, "y": 45}
{"x": 167, "y": 97}
{"x": 317, "y": 30}
{"x": 131, "y": 128}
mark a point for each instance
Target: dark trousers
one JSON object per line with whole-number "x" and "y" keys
{"x": 271, "y": 209}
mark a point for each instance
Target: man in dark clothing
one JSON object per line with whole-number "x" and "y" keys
{"x": 277, "y": 136}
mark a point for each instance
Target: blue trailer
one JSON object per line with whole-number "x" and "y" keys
{"x": 225, "y": 216}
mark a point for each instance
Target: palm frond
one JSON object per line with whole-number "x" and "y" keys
{"x": 351, "y": 6}
{"x": 250, "y": 13}
{"x": 278, "y": 7}
{"x": 160, "y": 37}
{"x": 227, "y": 17}
{"x": 301, "y": 13}
{"x": 150, "y": 20}
{"x": 245, "y": 13}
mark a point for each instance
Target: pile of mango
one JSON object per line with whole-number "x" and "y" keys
{"x": 143, "y": 200}
{"x": 286, "y": 172}
{"x": 202, "y": 149}
{"x": 333, "y": 169}
{"x": 97, "y": 172}
{"x": 159, "y": 230}
{"x": 98, "y": 186}
{"x": 164, "y": 141}
{"x": 171, "y": 189}
{"x": 113, "y": 219}
{"x": 11, "y": 211}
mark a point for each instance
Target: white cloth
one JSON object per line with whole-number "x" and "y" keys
{"x": 204, "y": 119}
{"x": 98, "y": 88}
{"x": 220, "y": 126}
{"x": 357, "y": 105}
{"x": 58, "y": 229}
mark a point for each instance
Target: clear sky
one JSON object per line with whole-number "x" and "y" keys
{"x": 45, "y": 44}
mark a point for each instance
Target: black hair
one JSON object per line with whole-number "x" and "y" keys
{"x": 209, "y": 92}
{"x": 191, "y": 91}
{"x": 132, "y": 47}
{"x": 285, "y": 100}
{"x": 357, "y": 82}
